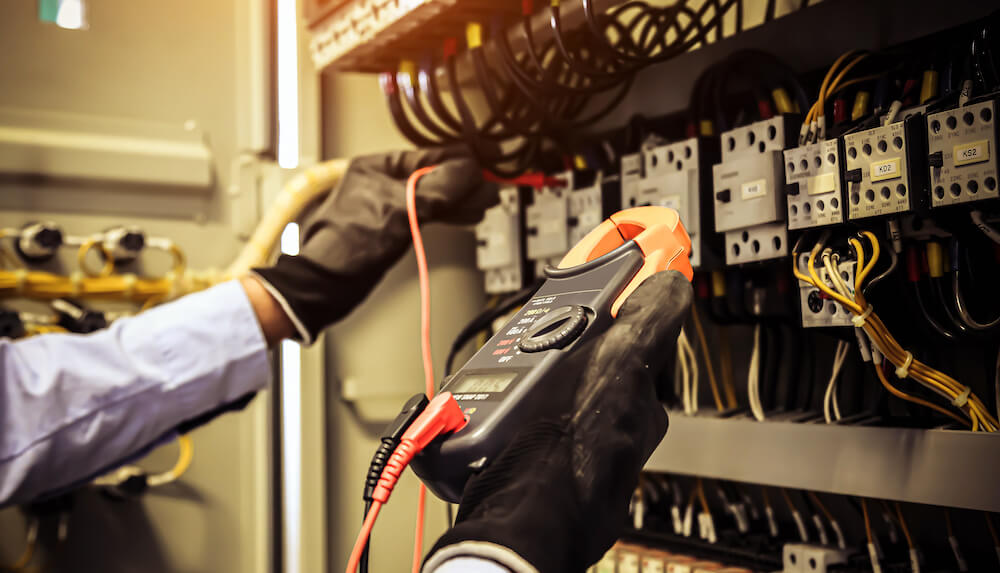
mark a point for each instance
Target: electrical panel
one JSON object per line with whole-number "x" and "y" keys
{"x": 961, "y": 145}
{"x": 749, "y": 188}
{"x": 499, "y": 247}
{"x": 819, "y": 310}
{"x": 814, "y": 185}
{"x": 885, "y": 169}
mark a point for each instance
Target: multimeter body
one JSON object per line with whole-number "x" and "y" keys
{"x": 502, "y": 387}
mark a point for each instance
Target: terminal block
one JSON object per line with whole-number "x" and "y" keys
{"x": 818, "y": 309}
{"x": 499, "y": 246}
{"x": 962, "y": 161}
{"x": 374, "y": 35}
{"x": 749, "y": 187}
{"x": 814, "y": 185}
{"x": 886, "y": 170}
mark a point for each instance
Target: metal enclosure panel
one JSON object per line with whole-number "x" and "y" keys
{"x": 814, "y": 185}
{"x": 966, "y": 140}
{"x": 889, "y": 190}
{"x": 917, "y": 466}
{"x": 150, "y": 64}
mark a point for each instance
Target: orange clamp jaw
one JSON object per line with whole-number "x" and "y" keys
{"x": 656, "y": 230}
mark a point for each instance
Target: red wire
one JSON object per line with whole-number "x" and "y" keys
{"x": 425, "y": 348}
{"x": 423, "y": 277}
{"x": 359, "y": 543}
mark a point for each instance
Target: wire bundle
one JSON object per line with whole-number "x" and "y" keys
{"x": 956, "y": 394}
{"x": 537, "y": 95}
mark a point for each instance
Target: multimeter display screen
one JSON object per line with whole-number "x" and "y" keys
{"x": 484, "y": 383}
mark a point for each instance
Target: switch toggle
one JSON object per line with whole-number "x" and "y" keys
{"x": 724, "y": 196}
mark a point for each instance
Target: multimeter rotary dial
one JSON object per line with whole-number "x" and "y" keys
{"x": 556, "y": 329}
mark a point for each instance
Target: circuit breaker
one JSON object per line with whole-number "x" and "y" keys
{"x": 586, "y": 208}
{"x": 672, "y": 180}
{"x": 499, "y": 249}
{"x": 814, "y": 185}
{"x": 818, "y": 309}
{"x": 961, "y": 145}
{"x": 749, "y": 191}
{"x": 547, "y": 225}
{"x": 886, "y": 169}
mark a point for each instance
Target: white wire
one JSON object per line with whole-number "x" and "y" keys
{"x": 830, "y": 398}
{"x": 689, "y": 372}
{"x": 982, "y": 225}
{"x": 685, "y": 374}
{"x": 753, "y": 377}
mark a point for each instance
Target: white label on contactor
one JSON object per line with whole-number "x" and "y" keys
{"x": 974, "y": 152}
{"x": 882, "y": 170}
{"x": 754, "y": 189}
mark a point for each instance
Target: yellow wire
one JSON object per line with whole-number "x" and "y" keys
{"x": 29, "y": 551}
{"x": 902, "y": 523}
{"x": 180, "y": 261}
{"x": 81, "y": 258}
{"x": 822, "y": 507}
{"x": 708, "y": 359}
{"x": 184, "y": 457}
{"x": 868, "y": 521}
{"x": 979, "y": 416}
{"x": 726, "y": 367}
{"x": 701, "y": 496}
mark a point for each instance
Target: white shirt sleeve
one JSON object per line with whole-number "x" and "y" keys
{"x": 470, "y": 565}
{"x": 74, "y": 406}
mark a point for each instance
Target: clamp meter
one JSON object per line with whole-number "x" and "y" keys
{"x": 501, "y": 387}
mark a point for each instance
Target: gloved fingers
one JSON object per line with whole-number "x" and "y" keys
{"x": 455, "y": 192}
{"x": 649, "y": 322}
{"x": 399, "y": 165}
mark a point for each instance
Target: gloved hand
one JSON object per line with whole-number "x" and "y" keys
{"x": 360, "y": 230}
{"x": 558, "y": 495}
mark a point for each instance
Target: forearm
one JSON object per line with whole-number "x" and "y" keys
{"x": 272, "y": 318}
{"x": 74, "y": 406}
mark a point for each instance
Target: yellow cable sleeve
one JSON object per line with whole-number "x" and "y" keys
{"x": 409, "y": 69}
{"x": 706, "y": 128}
{"x": 935, "y": 259}
{"x": 718, "y": 284}
{"x": 860, "y": 107}
{"x": 929, "y": 86}
{"x": 474, "y": 35}
{"x": 782, "y": 102}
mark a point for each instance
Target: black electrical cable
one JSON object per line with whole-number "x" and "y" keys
{"x": 388, "y": 440}
{"x": 390, "y": 90}
{"x": 410, "y": 91}
{"x": 938, "y": 284}
{"x": 928, "y": 319}
{"x": 769, "y": 11}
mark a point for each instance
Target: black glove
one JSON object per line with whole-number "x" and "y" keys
{"x": 360, "y": 230}
{"x": 558, "y": 495}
